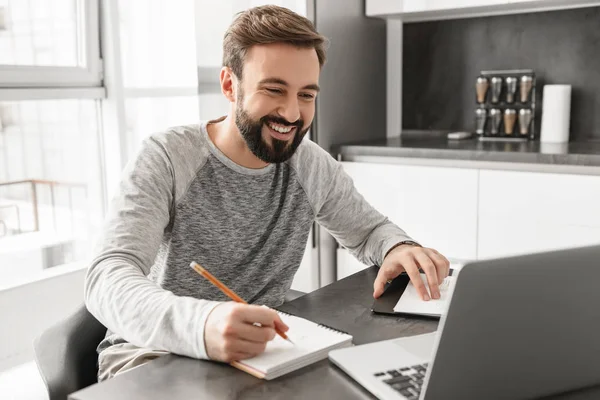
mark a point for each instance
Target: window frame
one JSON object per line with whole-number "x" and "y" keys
{"x": 32, "y": 83}
{"x": 90, "y": 75}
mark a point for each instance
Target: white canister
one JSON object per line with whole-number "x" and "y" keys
{"x": 556, "y": 114}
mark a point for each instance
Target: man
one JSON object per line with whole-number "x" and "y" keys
{"x": 238, "y": 195}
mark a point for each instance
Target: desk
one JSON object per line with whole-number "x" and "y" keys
{"x": 344, "y": 305}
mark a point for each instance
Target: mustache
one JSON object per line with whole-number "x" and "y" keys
{"x": 282, "y": 121}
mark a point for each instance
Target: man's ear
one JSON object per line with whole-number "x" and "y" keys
{"x": 228, "y": 84}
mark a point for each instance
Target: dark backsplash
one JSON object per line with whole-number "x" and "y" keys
{"x": 442, "y": 59}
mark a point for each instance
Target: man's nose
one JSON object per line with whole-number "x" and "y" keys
{"x": 290, "y": 110}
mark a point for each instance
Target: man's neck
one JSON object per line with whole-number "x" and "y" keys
{"x": 226, "y": 136}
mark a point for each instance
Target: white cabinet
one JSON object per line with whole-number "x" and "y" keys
{"x": 438, "y": 5}
{"x": 425, "y": 10}
{"x": 414, "y": 5}
{"x": 471, "y": 214}
{"x": 435, "y": 206}
{"x": 398, "y": 7}
{"x": 381, "y": 8}
{"x": 524, "y": 212}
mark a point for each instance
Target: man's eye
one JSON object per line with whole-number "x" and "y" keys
{"x": 275, "y": 91}
{"x": 307, "y": 96}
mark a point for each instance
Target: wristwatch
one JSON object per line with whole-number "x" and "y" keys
{"x": 407, "y": 242}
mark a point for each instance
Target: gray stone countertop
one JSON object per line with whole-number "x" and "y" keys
{"x": 437, "y": 146}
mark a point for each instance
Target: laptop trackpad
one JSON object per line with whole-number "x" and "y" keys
{"x": 420, "y": 346}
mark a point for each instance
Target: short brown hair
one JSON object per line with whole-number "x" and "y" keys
{"x": 265, "y": 25}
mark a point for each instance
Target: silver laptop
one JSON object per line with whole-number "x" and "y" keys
{"x": 516, "y": 328}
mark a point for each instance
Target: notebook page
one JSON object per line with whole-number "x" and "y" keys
{"x": 308, "y": 338}
{"x": 410, "y": 302}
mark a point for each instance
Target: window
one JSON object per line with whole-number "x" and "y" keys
{"x": 213, "y": 21}
{"x": 50, "y": 184}
{"x": 49, "y": 43}
{"x": 148, "y": 115}
{"x": 51, "y": 180}
{"x": 171, "y": 60}
{"x": 158, "y": 43}
{"x": 158, "y": 46}
{"x": 63, "y": 141}
{"x": 40, "y": 33}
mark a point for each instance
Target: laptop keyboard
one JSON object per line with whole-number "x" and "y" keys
{"x": 406, "y": 381}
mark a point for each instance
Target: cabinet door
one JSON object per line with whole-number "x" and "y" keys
{"x": 525, "y": 212}
{"x": 417, "y": 10}
{"x": 307, "y": 277}
{"x": 385, "y": 7}
{"x": 437, "y": 5}
{"x": 435, "y": 206}
{"x": 347, "y": 264}
{"x": 414, "y": 5}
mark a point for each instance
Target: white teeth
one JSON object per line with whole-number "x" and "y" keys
{"x": 280, "y": 129}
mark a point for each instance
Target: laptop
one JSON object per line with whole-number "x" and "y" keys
{"x": 516, "y": 328}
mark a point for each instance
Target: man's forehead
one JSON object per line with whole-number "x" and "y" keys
{"x": 293, "y": 65}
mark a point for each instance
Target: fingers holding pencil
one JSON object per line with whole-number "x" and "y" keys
{"x": 253, "y": 317}
{"x": 229, "y": 336}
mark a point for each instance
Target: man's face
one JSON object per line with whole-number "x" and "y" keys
{"x": 275, "y": 104}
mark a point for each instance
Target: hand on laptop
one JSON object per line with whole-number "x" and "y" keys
{"x": 235, "y": 331}
{"x": 411, "y": 258}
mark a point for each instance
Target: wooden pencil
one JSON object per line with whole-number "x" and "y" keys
{"x": 230, "y": 293}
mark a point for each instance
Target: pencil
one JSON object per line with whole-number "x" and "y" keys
{"x": 230, "y": 293}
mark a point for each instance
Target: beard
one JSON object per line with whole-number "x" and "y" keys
{"x": 279, "y": 150}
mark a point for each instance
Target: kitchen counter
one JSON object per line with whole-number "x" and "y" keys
{"x": 436, "y": 149}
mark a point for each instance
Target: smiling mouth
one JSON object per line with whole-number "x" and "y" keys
{"x": 280, "y": 128}
{"x": 281, "y": 132}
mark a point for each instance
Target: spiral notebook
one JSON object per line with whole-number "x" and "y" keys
{"x": 312, "y": 343}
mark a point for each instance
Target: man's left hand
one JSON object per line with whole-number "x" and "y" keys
{"x": 409, "y": 258}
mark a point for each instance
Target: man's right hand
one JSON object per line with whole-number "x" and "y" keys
{"x": 230, "y": 333}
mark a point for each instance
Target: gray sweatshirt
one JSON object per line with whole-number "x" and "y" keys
{"x": 181, "y": 200}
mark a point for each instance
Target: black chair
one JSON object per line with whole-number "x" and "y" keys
{"x": 66, "y": 353}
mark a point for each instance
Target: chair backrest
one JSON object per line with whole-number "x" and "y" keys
{"x": 66, "y": 353}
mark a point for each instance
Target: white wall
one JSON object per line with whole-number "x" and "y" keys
{"x": 27, "y": 310}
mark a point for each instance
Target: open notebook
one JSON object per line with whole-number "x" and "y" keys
{"x": 410, "y": 302}
{"x": 312, "y": 343}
